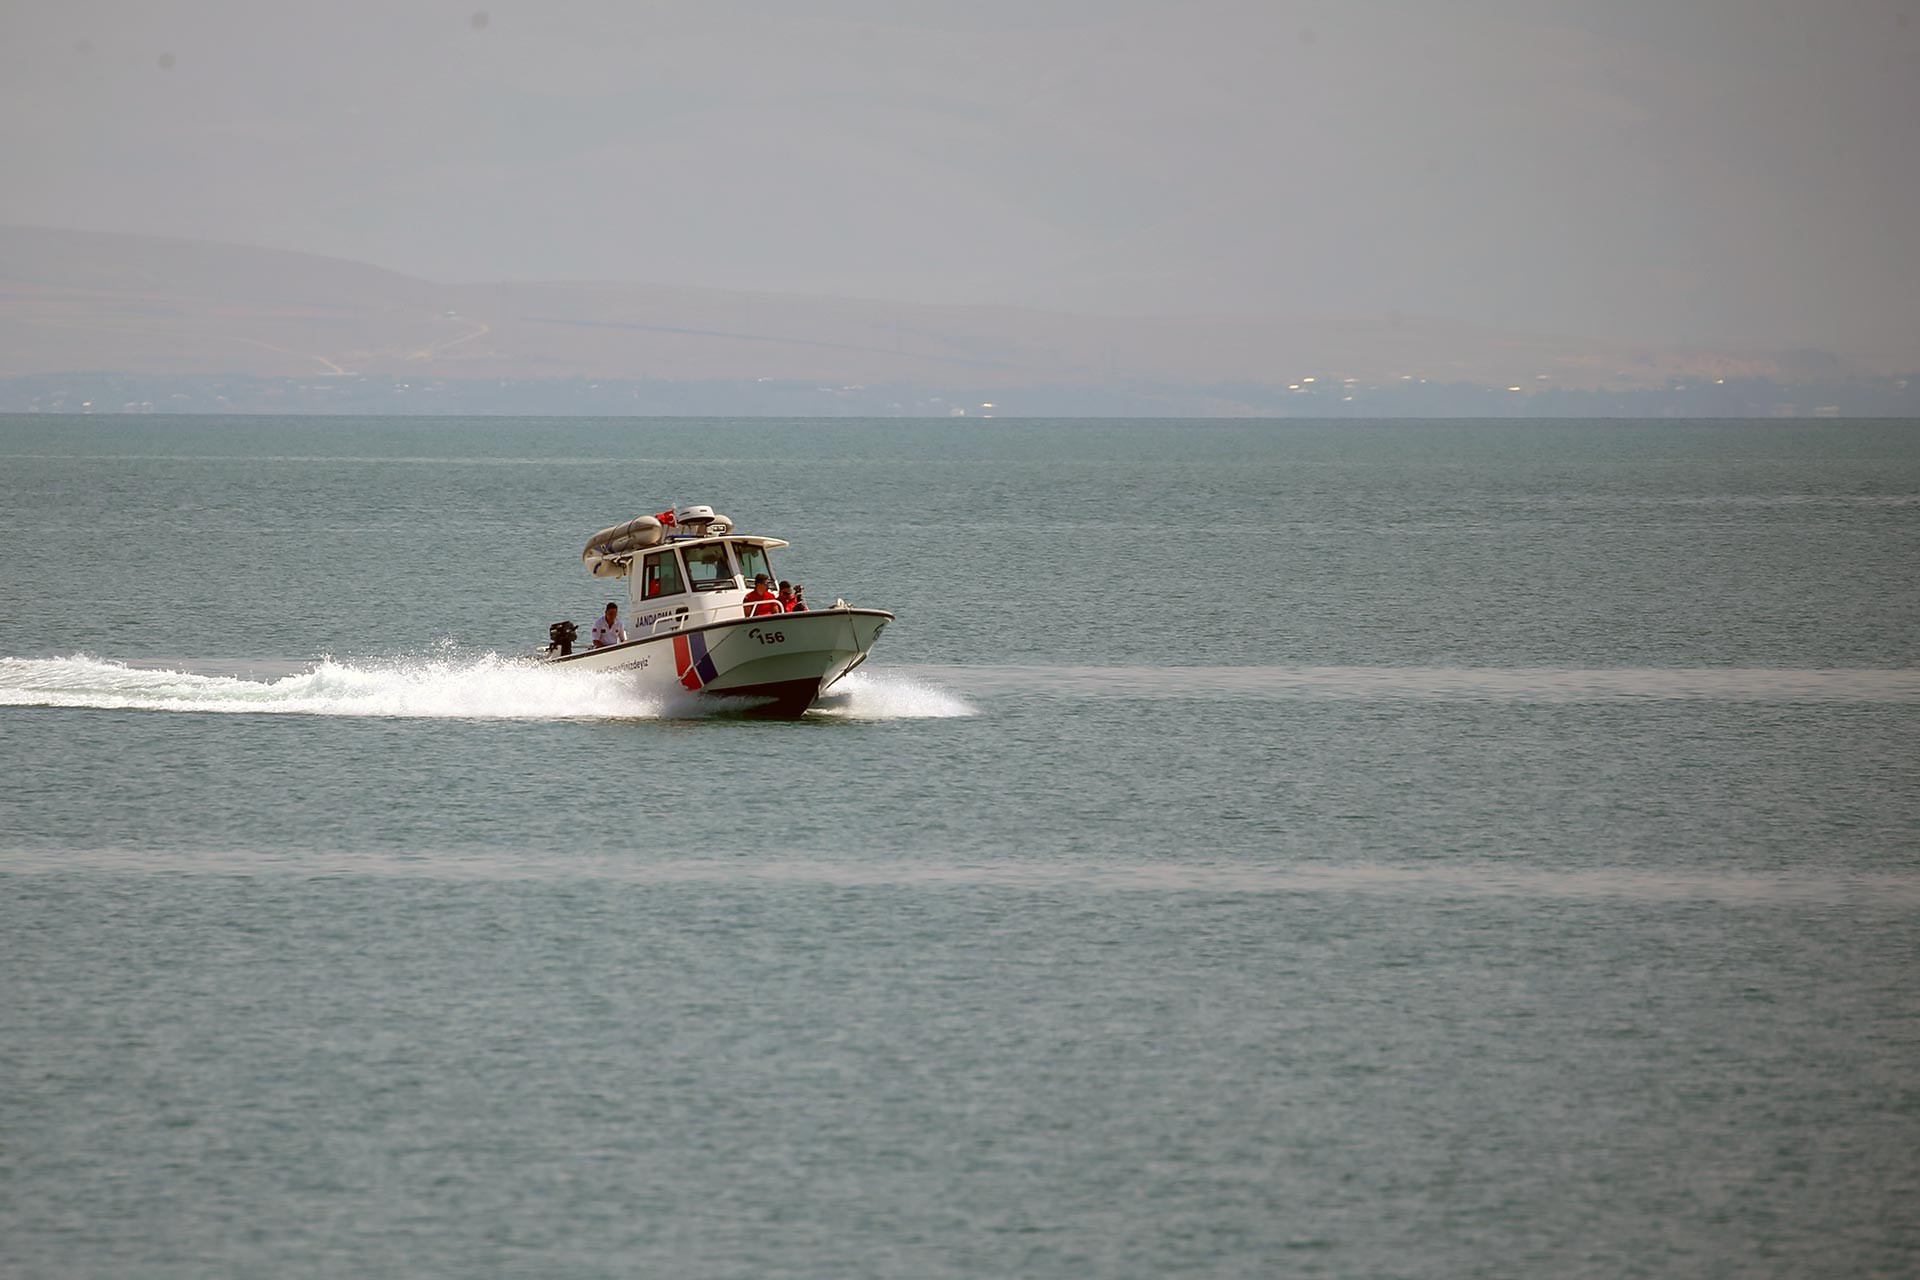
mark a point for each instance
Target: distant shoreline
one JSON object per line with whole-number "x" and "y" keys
{"x": 355, "y": 395}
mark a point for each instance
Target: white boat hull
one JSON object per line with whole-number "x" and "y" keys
{"x": 774, "y": 666}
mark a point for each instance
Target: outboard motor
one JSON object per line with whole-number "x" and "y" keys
{"x": 560, "y": 638}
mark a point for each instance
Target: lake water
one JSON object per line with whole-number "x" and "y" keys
{"x": 1420, "y": 850}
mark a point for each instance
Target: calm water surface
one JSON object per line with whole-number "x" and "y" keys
{"x": 1449, "y": 849}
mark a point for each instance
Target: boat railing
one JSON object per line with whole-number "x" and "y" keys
{"x": 671, "y": 622}
{"x": 665, "y": 623}
{"x": 681, "y": 620}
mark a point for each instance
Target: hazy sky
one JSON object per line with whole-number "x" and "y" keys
{"x": 1713, "y": 170}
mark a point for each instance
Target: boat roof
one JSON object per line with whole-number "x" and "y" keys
{"x": 685, "y": 540}
{"x": 610, "y": 552}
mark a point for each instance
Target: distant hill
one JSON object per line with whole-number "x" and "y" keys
{"x": 85, "y": 301}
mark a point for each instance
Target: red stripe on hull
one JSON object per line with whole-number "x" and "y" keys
{"x": 683, "y": 663}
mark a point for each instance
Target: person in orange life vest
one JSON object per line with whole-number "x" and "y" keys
{"x": 761, "y": 602}
{"x": 799, "y": 604}
{"x": 786, "y": 596}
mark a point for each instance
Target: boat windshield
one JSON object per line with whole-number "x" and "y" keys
{"x": 753, "y": 559}
{"x": 707, "y": 568}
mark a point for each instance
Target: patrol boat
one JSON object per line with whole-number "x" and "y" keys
{"x": 691, "y": 628}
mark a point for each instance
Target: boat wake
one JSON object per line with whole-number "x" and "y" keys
{"x": 488, "y": 687}
{"x": 1440, "y": 684}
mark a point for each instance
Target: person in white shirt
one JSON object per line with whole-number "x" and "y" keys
{"x": 607, "y": 630}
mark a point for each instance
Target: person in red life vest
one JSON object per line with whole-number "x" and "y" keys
{"x": 761, "y": 602}
{"x": 786, "y": 596}
{"x": 799, "y": 603}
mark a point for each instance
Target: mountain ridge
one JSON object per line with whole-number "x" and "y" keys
{"x": 112, "y": 302}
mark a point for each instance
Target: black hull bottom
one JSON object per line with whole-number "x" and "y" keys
{"x": 777, "y": 700}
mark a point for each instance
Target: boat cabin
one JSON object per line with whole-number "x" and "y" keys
{"x": 683, "y": 568}
{"x": 694, "y": 581}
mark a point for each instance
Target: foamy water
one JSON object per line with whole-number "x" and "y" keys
{"x": 492, "y": 687}
{"x": 869, "y": 695}
{"x": 488, "y": 687}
